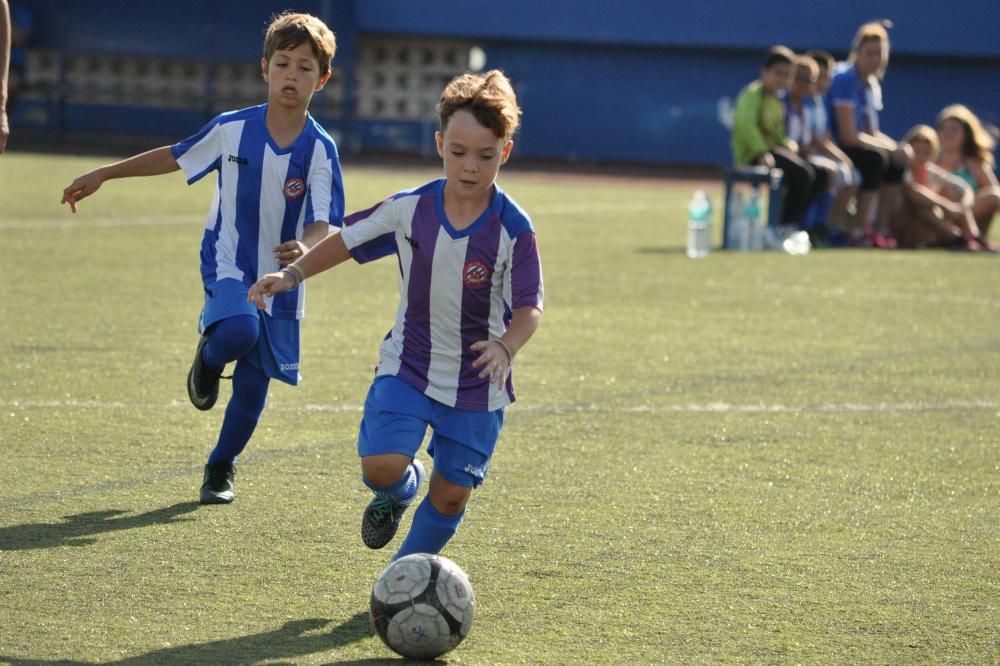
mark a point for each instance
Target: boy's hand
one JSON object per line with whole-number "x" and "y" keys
{"x": 493, "y": 359}
{"x": 82, "y": 187}
{"x": 767, "y": 160}
{"x": 289, "y": 251}
{"x": 269, "y": 285}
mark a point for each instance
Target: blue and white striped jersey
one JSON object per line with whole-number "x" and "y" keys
{"x": 456, "y": 287}
{"x": 265, "y": 196}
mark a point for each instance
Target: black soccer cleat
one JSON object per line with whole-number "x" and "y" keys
{"x": 219, "y": 486}
{"x": 202, "y": 383}
{"x": 381, "y": 518}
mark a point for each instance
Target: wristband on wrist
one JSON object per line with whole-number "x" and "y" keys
{"x": 510, "y": 356}
{"x": 296, "y": 272}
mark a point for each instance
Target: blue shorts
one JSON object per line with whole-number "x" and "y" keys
{"x": 276, "y": 353}
{"x": 396, "y": 418}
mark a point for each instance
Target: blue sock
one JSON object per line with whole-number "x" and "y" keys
{"x": 821, "y": 210}
{"x": 403, "y": 490}
{"x": 242, "y": 412}
{"x": 809, "y": 219}
{"x": 430, "y": 530}
{"x": 229, "y": 339}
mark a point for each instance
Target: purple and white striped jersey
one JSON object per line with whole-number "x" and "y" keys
{"x": 265, "y": 195}
{"x": 456, "y": 287}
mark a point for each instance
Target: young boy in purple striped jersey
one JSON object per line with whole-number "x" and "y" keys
{"x": 470, "y": 297}
{"x": 278, "y": 192}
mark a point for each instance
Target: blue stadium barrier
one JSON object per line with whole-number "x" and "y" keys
{"x": 640, "y": 81}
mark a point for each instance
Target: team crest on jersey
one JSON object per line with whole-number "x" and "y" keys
{"x": 294, "y": 188}
{"x": 476, "y": 274}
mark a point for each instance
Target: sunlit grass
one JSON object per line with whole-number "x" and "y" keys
{"x": 745, "y": 458}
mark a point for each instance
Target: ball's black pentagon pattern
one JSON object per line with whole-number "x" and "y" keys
{"x": 422, "y": 606}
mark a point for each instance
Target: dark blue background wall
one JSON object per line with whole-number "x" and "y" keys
{"x": 644, "y": 81}
{"x": 209, "y": 29}
{"x": 632, "y": 80}
{"x": 961, "y": 27}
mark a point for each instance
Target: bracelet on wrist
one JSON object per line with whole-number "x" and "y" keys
{"x": 506, "y": 349}
{"x": 296, "y": 272}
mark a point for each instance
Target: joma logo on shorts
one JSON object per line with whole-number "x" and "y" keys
{"x": 475, "y": 470}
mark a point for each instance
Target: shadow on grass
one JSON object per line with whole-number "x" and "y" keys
{"x": 290, "y": 641}
{"x": 75, "y": 530}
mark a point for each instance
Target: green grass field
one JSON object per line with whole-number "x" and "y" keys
{"x": 741, "y": 459}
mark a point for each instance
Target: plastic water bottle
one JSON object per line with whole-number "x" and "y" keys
{"x": 755, "y": 232}
{"x": 737, "y": 236}
{"x": 699, "y": 225}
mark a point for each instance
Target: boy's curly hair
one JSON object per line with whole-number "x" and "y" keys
{"x": 489, "y": 97}
{"x": 289, "y": 29}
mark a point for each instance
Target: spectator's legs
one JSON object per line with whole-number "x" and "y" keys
{"x": 799, "y": 179}
{"x": 890, "y": 198}
{"x": 872, "y": 164}
{"x": 838, "y": 209}
{"x": 985, "y": 207}
{"x": 890, "y": 193}
{"x": 916, "y": 224}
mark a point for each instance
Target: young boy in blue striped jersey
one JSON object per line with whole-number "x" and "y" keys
{"x": 279, "y": 190}
{"x": 470, "y": 287}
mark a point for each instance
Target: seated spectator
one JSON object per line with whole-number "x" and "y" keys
{"x": 800, "y": 125}
{"x": 853, "y": 105}
{"x": 967, "y": 152}
{"x": 22, "y": 23}
{"x": 759, "y": 134}
{"x": 4, "y": 67}
{"x": 848, "y": 178}
{"x": 936, "y": 209}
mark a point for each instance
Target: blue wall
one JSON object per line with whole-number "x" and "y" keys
{"x": 644, "y": 81}
{"x": 960, "y": 27}
{"x": 633, "y": 80}
{"x": 652, "y": 105}
{"x": 209, "y": 30}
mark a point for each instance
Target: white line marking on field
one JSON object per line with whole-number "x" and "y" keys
{"x": 598, "y": 207}
{"x": 836, "y": 408}
{"x": 68, "y": 222}
{"x": 841, "y": 292}
{"x": 711, "y": 407}
{"x": 197, "y": 219}
{"x": 760, "y": 408}
{"x": 174, "y": 404}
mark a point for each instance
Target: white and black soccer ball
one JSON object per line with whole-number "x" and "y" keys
{"x": 422, "y": 605}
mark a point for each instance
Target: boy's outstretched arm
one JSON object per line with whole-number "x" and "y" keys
{"x": 151, "y": 163}
{"x": 326, "y": 254}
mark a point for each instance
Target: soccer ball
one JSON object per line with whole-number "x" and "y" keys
{"x": 422, "y": 605}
